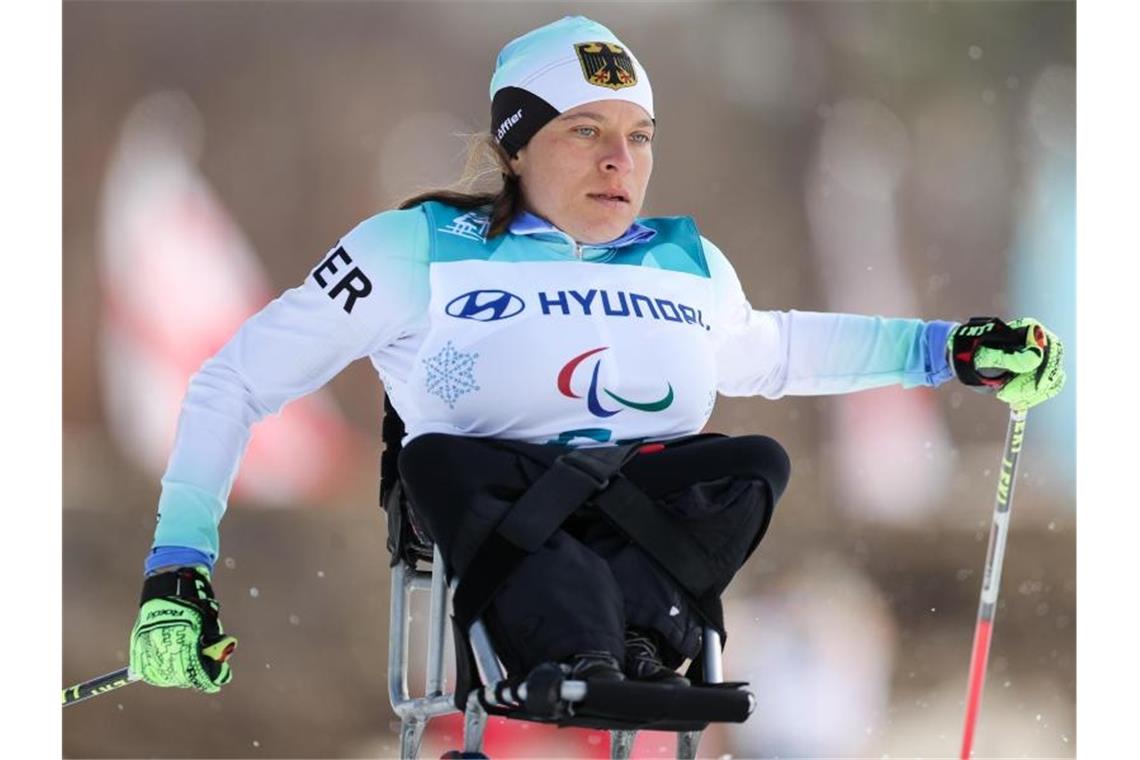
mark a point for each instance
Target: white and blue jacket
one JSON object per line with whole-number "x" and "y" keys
{"x": 528, "y": 336}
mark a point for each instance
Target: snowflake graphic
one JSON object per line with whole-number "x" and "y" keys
{"x": 450, "y": 374}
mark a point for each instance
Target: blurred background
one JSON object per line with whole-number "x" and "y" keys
{"x": 903, "y": 159}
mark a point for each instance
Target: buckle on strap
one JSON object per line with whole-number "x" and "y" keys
{"x": 598, "y": 464}
{"x": 598, "y": 472}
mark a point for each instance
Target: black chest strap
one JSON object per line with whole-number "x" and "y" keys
{"x": 568, "y": 484}
{"x": 660, "y": 535}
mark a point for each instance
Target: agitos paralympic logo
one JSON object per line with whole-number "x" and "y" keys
{"x": 593, "y": 402}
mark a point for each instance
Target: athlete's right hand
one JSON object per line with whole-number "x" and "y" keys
{"x": 177, "y": 639}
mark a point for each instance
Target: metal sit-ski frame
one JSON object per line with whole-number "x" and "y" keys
{"x": 545, "y": 696}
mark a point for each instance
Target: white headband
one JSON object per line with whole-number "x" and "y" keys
{"x": 557, "y": 67}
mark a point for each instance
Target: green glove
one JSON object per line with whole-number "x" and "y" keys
{"x": 1021, "y": 362}
{"x": 177, "y": 639}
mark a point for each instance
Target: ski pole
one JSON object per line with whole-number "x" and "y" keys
{"x": 991, "y": 581}
{"x": 97, "y": 686}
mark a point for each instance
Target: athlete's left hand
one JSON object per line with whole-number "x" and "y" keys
{"x": 1021, "y": 362}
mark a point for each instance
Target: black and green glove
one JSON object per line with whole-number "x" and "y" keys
{"x": 177, "y": 639}
{"x": 1020, "y": 362}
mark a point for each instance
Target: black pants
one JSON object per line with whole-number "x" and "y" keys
{"x": 589, "y": 582}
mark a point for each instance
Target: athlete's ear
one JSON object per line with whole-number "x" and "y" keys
{"x": 519, "y": 161}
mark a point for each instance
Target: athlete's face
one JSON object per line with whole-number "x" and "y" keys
{"x": 586, "y": 171}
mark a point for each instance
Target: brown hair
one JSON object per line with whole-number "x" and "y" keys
{"x": 485, "y": 159}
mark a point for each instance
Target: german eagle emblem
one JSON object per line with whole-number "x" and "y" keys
{"x": 606, "y": 65}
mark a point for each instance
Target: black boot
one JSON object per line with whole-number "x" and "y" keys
{"x": 643, "y": 663}
{"x": 593, "y": 666}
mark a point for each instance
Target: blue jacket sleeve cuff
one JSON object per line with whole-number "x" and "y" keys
{"x": 181, "y": 556}
{"x": 938, "y": 369}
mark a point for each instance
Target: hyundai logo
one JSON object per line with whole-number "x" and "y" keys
{"x": 485, "y": 305}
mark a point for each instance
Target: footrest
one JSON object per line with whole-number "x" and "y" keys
{"x": 633, "y": 701}
{"x": 546, "y": 697}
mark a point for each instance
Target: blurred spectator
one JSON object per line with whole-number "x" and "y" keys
{"x": 178, "y": 277}
{"x": 817, "y": 647}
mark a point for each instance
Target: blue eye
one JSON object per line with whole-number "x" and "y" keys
{"x": 586, "y": 131}
{"x": 642, "y": 137}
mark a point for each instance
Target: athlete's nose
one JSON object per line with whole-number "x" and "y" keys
{"x": 616, "y": 157}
